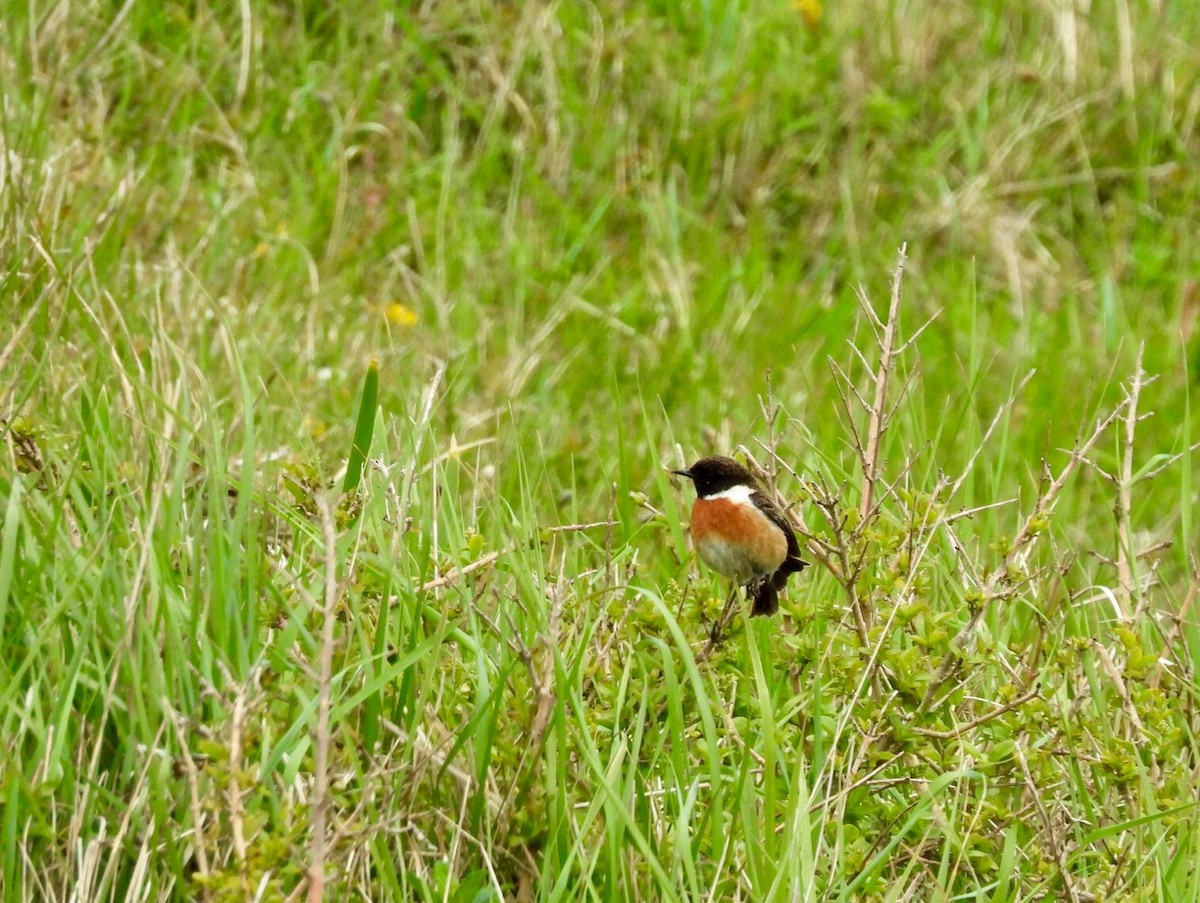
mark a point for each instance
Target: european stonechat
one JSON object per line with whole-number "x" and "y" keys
{"x": 740, "y": 533}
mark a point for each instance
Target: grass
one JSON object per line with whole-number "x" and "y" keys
{"x": 279, "y": 625}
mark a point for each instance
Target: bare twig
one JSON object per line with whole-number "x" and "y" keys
{"x": 849, "y": 570}
{"x": 1155, "y": 676}
{"x": 1124, "y": 503}
{"x": 996, "y": 584}
{"x": 1032, "y": 527}
{"x": 544, "y": 678}
{"x": 878, "y": 418}
{"x": 491, "y": 558}
{"x": 717, "y": 633}
{"x": 969, "y": 726}
{"x": 848, "y": 383}
{"x": 1166, "y": 462}
{"x": 770, "y": 412}
{"x": 316, "y": 870}
{"x": 971, "y": 512}
{"x": 453, "y": 576}
{"x": 579, "y": 528}
{"x": 236, "y": 818}
{"x": 1003, "y": 411}
{"x": 1138, "y": 733}
{"x": 1051, "y": 835}
{"x": 199, "y": 844}
{"x": 819, "y": 548}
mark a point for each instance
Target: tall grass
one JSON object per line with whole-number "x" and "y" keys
{"x": 346, "y": 349}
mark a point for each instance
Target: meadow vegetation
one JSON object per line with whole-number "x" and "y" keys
{"x": 345, "y": 351}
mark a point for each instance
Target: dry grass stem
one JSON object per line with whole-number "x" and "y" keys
{"x": 322, "y": 738}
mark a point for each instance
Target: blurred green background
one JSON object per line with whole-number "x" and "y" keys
{"x": 603, "y": 224}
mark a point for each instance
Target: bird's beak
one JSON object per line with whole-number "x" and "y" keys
{"x": 683, "y": 473}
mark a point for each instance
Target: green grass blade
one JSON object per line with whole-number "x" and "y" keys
{"x": 364, "y": 429}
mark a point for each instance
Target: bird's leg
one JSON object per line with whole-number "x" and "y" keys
{"x": 727, "y": 613}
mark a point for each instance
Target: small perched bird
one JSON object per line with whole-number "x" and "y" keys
{"x": 740, "y": 533}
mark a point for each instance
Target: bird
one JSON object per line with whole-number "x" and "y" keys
{"x": 740, "y": 533}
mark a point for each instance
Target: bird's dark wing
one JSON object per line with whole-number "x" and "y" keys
{"x": 793, "y": 564}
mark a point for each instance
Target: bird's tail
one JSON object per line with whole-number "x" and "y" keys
{"x": 764, "y": 593}
{"x": 764, "y": 596}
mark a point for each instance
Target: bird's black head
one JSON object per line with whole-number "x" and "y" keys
{"x": 716, "y": 474}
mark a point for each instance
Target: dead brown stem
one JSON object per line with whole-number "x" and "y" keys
{"x": 234, "y": 794}
{"x": 1124, "y": 503}
{"x": 321, "y": 742}
{"x": 1172, "y": 637}
{"x": 193, "y": 778}
{"x": 877, "y": 424}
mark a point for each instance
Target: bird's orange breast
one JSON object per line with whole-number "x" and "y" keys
{"x": 734, "y": 538}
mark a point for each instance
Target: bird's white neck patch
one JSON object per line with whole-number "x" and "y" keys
{"x": 739, "y": 494}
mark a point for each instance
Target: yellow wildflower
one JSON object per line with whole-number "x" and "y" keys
{"x": 811, "y": 11}
{"x": 400, "y": 315}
